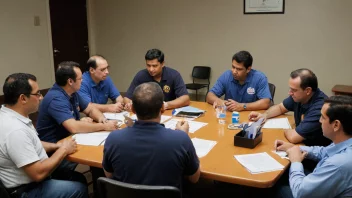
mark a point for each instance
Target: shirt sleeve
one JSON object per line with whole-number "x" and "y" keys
{"x": 180, "y": 87}
{"x": 113, "y": 92}
{"x": 263, "y": 88}
{"x": 318, "y": 183}
{"x": 315, "y": 153}
{"x": 60, "y": 110}
{"x": 310, "y": 127}
{"x": 192, "y": 160}
{"x": 25, "y": 153}
{"x": 219, "y": 87}
{"x": 83, "y": 104}
{"x": 84, "y": 91}
{"x": 289, "y": 103}
{"x": 134, "y": 84}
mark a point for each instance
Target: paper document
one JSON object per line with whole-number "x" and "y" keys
{"x": 193, "y": 125}
{"x": 116, "y": 116}
{"x": 282, "y": 154}
{"x": 163, "y": 118}
{"x": 203, "y": 146}
{"x": 190, "y": 109}
{"x": 277, "y": 123}
{"x": 259, "y": 163}
{"x": 92, "y": 139}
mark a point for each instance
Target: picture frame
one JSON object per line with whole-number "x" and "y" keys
{"x": 263, "y": 6}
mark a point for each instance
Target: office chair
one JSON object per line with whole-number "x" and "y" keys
{"x": 272, "y": 91}
{"x": 109, "y": 188}
{"x": 199, "y": 72}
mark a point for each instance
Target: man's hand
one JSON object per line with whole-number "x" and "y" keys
{"x": 282, "y": 146}
{"x": 295, "y": 154}
{"x": 128, "y": 107}
{"x": 219, "y": 102}
{"x": 166, "y": 105}
{"x": 116, "y": 108}
{"x": 232, "y": 105}
{"x": 111, "y": 125}
{"x": 87, "y": 119}
{"x": 183, "y": 126}
{"x": 69, "y": 145}
{"x": 255, "y": 116}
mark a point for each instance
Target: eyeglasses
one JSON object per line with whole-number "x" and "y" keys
{"x": 38, "y": 94}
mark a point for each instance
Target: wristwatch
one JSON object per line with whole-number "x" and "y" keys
{"x": 244, "y": 106}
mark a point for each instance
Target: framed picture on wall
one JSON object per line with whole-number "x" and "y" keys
{"x": 263, "y": 6}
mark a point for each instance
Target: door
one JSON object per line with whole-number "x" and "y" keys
{"x": 69, "y": 31}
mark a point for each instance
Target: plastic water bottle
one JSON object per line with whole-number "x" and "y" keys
{"x": 235, "y": 117}
{"x": 221, "y": 114}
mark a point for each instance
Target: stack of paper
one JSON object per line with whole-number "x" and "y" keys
{"x": 203, "y": 146}
{"x": 116, "y": 116}
{"x": 193, "y": 125}
{"x": 259, "y": 163}
{"x": 188, "y": 112}
{"x": 277, "y": 123}
{"x": 92, "y": 139}
{"x": 282, "y": 154}
{"x": 163, "y": 118}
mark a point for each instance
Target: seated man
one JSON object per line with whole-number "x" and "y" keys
{"x": 59, "y": 112}
{"x": 97, "y": 87}
{"x": 333, "y": 175}
{"x": 166, "y": 155}
{"x": 24, "y": 164}
{"x": 305, "y": 101}
{"x": 170, "y": 81}
{"x": 244, "y": 87}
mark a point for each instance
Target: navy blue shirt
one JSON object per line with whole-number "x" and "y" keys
{"x": 150, "y": 154}
{"x": 307, "y": 118}
{"x": 56, "y": 108}
{"x": 171, "y": 83}
{"x": 97, "y": 93}
{"x": 256, "y": 87}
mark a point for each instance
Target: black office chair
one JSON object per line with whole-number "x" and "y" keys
{"x": 109, "y": 188}
{"x": 199, "y": 72}
{"x": 272, "y": 91}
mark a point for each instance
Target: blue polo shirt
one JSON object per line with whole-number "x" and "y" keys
{"x": 56, "y": 108}
{"x": 171, "y": 83}
{"x": 307, "y": 118}
{"x": 150, "y": 154}
{"x": 254, "y": 88}
{"x": 97, "y": 93}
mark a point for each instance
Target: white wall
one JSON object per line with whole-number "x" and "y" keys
{"x": 23, "y": 46}
{"x": 315, "y": 34}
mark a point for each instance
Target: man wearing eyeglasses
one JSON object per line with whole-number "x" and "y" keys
{"x": 305, "y": 100}
{"x": 25, "y": 167}
{"x": 97, "y": 87}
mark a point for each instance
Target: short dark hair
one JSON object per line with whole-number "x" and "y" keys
{"x": 147, "y": 100}
{"x": 65, "y": 71}
{"x": 15, "y": 85}
{"x": 340, "y": 108}
{"x": 243, "y": 57}
{"x": 155, "y": 54}
{"x": 308, "y": 78}
{"x": 92, "y": 61}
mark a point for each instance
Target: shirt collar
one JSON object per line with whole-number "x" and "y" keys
{"x": 248, "y": 77}
{"x": 20, "y": 117}
{"x": 315, "y": 95}
{"x": 142, "y": 123}
{"x": 86, "y": 75}
{"x": 336, "y": 148}
{"x": 59, "y": 88}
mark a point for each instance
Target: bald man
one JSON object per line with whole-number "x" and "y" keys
{"x": 97, "y": 87}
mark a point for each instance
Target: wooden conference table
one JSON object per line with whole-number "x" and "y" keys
{"x": 219, "y": 164}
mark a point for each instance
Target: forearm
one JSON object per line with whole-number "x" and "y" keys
{"x": 292, "y": 136}
{"x": 211, "y": 98}
{"x": 315, "y": 153}
{"x": 178, "y": 102}
{"x": 96, "y": 115}
{"x": 275, "y": 110}
{"x": 50, "y": 147}
{"x": 261, "y": 104}
{"x": 103, "y": 107}
{"x": 85, "y": 127}
{"x": 119, "y": 99}
{"x": 127, "y": 100}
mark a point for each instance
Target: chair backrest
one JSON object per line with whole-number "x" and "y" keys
{"x": 109, "y": 188}
{"x": 272, "y": 90}
{"x": 201, "y": 72}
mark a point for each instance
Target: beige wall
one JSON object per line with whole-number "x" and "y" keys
{"x": 314, "y": 34}
{"x": 23, "y": 46}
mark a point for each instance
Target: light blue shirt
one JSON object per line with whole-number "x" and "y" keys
{"x": 255, "y": 87}
{"x": 332, "y": 177}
